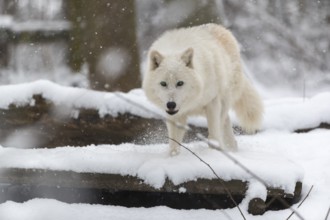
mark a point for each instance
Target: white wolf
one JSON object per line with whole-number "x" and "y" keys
{"x": 198, "y": 70}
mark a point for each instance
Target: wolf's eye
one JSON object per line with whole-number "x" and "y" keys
{"x": 162, "y": 83}
{"x": 180, "y": 83}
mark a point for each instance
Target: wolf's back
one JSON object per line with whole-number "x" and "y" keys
{"x": 248, "y": 106}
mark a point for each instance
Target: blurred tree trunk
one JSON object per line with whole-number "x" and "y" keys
{"x": 205, "y": 12}
{"x": 157, "y": 16}
{"x": 103, "y": 36}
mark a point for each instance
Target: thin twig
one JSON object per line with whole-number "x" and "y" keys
{"x": 306, "y": 196}
{"x": 209, "y": 166}
{"x": 302, "y": 201}
{"x": 326, "y": 217}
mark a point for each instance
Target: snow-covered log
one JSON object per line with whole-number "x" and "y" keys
{"x": 145, "y": 175}
{"x": 21, "y": 185}
{"x": 50, "y": 125}
{"x": 45, "y": 124}
{"x": 44, "y": 114}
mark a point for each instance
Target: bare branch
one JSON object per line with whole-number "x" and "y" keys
{"x": 326, "y": 217}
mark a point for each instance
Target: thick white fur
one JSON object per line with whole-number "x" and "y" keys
{"x": 207, "y": 59}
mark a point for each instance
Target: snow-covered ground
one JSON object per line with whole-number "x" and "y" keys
{"x": 278, "y": 155}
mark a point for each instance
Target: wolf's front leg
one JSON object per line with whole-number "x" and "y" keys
{"x": 228, "y": 134}
{"x": 176, "y": 131}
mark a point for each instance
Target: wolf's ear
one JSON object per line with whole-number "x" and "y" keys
{"x": 187, "y": 57}
{"x": 155, "y": 59}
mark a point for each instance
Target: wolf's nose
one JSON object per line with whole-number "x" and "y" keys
{"x": 171, "y": 105}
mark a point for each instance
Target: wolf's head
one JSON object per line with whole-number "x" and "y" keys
{"x": 171, "y": 82}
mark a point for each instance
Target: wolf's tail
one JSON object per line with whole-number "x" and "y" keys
{"x": 249, "y": 108}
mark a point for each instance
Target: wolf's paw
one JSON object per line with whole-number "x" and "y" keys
{"x": 174, "y": 152}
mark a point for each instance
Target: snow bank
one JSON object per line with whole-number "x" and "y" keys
{"x": 153, "y": 164}
{"x": 296, "y": 113}
{"x": 282, "y": 114}
{"x": 41, "y": 209}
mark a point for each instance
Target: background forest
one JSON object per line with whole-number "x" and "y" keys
{"x": 102, "y": 44}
